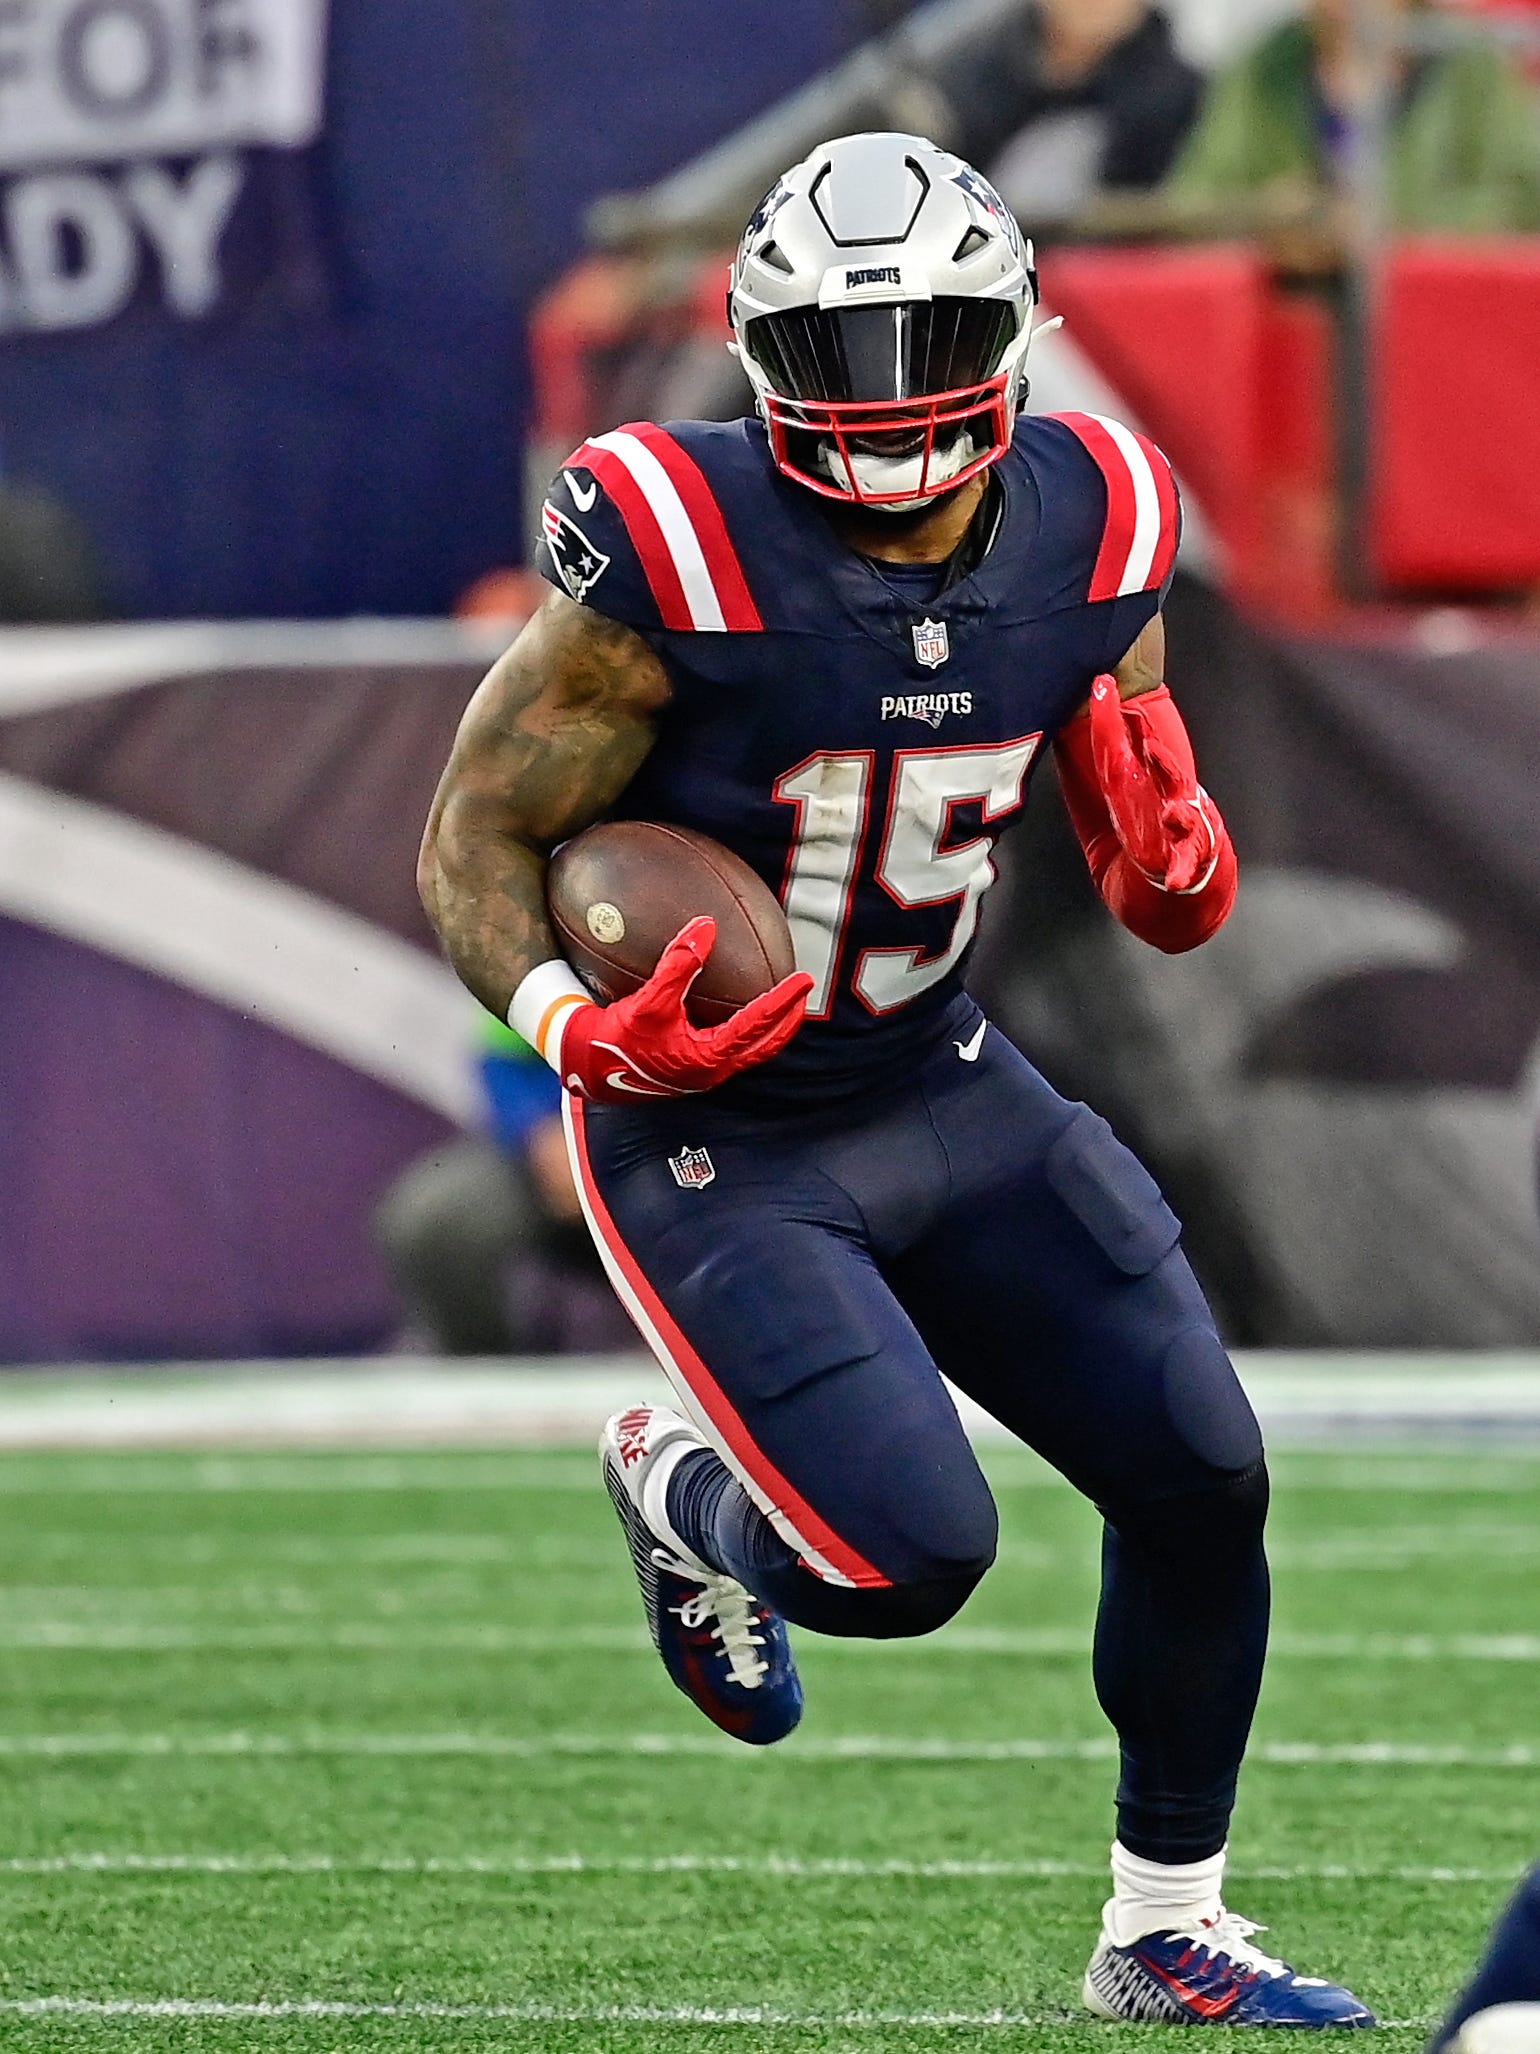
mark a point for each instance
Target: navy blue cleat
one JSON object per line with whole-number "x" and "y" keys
{"x": 1211, "y": 1976}
{"x": 726, "y": 1651}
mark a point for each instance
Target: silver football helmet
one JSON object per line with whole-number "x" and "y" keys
{"x": 881, "y": 301}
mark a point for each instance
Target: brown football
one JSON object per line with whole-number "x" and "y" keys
{"x": 619, "y": 893}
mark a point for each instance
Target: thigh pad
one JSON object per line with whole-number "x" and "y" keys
{"x": 782, "y": 1304}
{"x": 1111, "y": 1194}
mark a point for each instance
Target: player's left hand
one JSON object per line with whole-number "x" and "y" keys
{"x": 1149, "y": 779}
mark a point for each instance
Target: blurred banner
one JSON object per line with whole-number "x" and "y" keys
{"x": 265, "y": 267}
{"x": 223, "y": 1026}
{"x": 120, "y": 123}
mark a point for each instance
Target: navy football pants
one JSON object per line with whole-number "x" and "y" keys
{"x": 803, "y": 1301}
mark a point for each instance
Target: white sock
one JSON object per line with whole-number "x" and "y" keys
{"x": 655, "y": 1500}
{"x": 1161, "y": 1896}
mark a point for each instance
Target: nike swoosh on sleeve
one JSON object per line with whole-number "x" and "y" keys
{"x": 969, "y": 1049}
{"x": 582, "y": 500}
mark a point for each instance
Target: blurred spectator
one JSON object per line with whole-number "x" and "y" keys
{"x": 1278, "y": 128}
{"x": 1072, "y": 97}
{"x": 485, "y": 1236}
{"x": 48, "y": 570}
{"x": 503, "y": 598}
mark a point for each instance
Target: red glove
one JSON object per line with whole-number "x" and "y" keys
{"x": 1147, "y": 775}
{"x": 645, "y": 1045}
{"x": 1154, "y": 840}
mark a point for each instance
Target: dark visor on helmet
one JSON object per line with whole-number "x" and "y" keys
{"x": 882, "y": 353}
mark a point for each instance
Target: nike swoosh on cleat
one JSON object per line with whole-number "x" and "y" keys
{"x": 1205, "y": 2007}
{"x": 969, "y": 1049}
{"x": 582, "y": 500}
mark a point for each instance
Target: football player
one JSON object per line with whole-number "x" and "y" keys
{"x": 1499, "y": 2010}
{"x": 839, "y": 638}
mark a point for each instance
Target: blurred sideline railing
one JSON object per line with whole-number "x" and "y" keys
{"x": 882, "y": 84}
{"x": 1338, "y": 377}
{"x": 1455, "y": 337}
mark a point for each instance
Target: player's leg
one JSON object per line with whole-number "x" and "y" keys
{"x": 1054, "y": 1292}
{"x": 829, "y": 1475}
{"x": 448, "y": 1228}
{"x": 1499, "y": 2010}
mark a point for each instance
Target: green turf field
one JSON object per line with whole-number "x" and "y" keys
{"x": 336, "y": 1752}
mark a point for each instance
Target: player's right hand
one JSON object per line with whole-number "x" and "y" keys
{"x": 646, "y": 1046}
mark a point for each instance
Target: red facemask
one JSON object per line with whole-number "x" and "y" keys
{"x": 916, "y": 424}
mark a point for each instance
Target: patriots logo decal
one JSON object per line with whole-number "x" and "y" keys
{"x": 579, "y": 563}
{"x": 766, "y": 212}
{"x": 983, "y": 194}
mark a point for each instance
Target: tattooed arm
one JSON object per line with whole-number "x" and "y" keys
{"x": 553, "y": 736}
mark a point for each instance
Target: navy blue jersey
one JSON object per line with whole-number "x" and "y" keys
{"x": 862, "y": 747}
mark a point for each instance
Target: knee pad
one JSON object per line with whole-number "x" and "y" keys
{"x": 1205, "y": 1403}
{"x": 1225, "y": 1518}
{"x": 904, "y": 1611}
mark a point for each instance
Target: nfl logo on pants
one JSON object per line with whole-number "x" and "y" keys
{"x": 693, "y": 1169}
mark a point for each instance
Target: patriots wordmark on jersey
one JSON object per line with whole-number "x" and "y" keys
{"x": 804, "y": 730}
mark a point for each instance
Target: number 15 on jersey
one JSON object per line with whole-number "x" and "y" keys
{"x": 917, "y": 864}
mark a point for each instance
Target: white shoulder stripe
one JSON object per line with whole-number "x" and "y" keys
{"x": 1141, "y": 556}
{"x": 661, "y": 494}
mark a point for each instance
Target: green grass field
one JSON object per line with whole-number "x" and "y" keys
{"x": 336, "y": 1752}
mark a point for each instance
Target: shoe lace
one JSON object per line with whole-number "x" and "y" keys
{"x": 1230, "y": 1934}
{"x": 722, "y": 1604}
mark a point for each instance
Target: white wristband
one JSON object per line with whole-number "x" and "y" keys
{"x": 543, "y": 1004}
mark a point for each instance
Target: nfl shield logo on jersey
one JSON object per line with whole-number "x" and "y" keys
{"x": 930, "y": 643}
{"x": 693, "y": 1169}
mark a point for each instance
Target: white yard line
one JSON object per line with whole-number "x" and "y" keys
{"x": 1364, "y": 1548}
{"x": 770, "y": 1865}
{"x": 547, "y": 2014}
{"x": 1306, "y": 1399}
{"x": 325, "y": 1475}
{"x": 1371, "y": 1471}
{"x": 850, "y": 1747}
{"x": 342, "y": 1552}
{"x": 398, "y": 1637}
{"x": 442, "y": 1471}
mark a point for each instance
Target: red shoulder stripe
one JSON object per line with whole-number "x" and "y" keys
{"x": 1143, "y": 522}
{"x": 676, "y": 528}
{"x": 739, "y": 613}
{"x": 642, "y": 526}
{"x": 1170, "y": 512}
